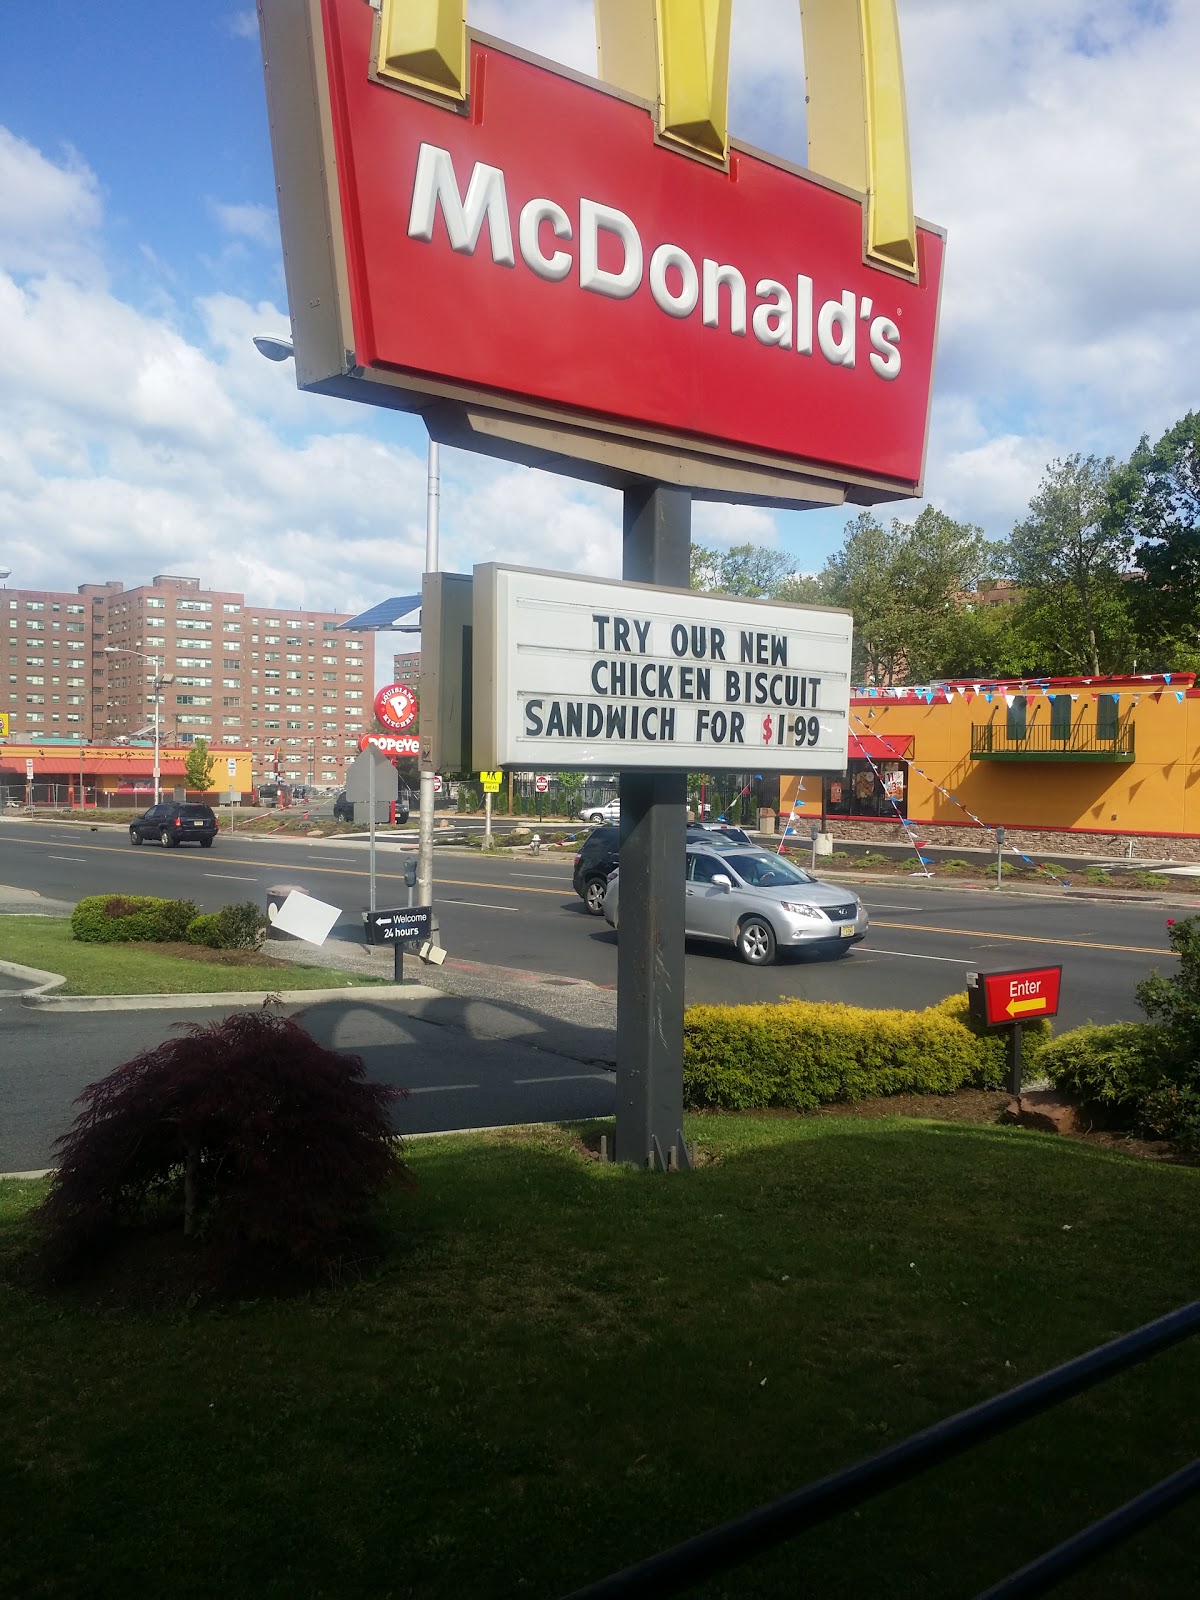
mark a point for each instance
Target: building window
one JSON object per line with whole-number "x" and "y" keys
{"x": 1016, "y": 717}
{"x": 35, "y": 605}
{"x": 194, "y": 722}
{"x": 156, "y": 604}
{"x": 1060, "y": 717}
{"x": 193, "y": 605}
{"x": 231, "y": 609}
{"x": 1106, "y": 716}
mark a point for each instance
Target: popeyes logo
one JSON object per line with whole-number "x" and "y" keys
{"x": 396, "y": 707}
{"x": 390, "y": 744}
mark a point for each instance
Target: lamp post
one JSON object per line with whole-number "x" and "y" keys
{"x": 277, "y": 348}
{"x": 158, "y": 680}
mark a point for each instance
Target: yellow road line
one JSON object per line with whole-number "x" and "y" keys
{"x": 1026, "y": 938}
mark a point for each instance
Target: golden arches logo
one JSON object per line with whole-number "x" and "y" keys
{"x": 675, "y": 54}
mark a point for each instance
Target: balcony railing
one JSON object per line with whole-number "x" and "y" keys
{"x": 1086, "y": 741}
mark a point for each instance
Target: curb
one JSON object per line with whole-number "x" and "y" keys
{"x": 41, "y": 981}
{"x": 229, "y": 998}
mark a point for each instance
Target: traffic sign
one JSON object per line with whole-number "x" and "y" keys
{"x": 358, "y": 778}
{"x": 28, "y": 770}
{"x": 437, "y": 783}
{"x": 411, "y": 925}
{"x": 491, "y": 782}
{"x": 1001, "y": 999}
{"x": 231, "y": 763}
{"x": 541, "y": 783}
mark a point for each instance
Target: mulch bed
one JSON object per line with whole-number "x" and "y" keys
{"x": 218, "y": 958}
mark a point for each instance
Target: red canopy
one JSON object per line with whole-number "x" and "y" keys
{"x": 70, "y": 766}
{"x": 879, "y": 747}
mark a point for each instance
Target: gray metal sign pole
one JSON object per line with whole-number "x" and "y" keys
{"x": 657, "y": 549}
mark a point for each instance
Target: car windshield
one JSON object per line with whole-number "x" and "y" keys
{"x": 765, "y": 871}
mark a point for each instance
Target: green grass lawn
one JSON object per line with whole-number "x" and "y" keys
{"x": 563, "y": 1367}
{"x": 46, "y": 942}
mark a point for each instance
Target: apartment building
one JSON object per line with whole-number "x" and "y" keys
{"x": 278, "y": 681}
{"x": 406, "y": 668}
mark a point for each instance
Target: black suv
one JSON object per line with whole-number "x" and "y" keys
{"x": 173, "y": 823}
{"x": 597, "y": 861}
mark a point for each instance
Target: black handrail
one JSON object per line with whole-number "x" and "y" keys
{"x": 680, "y": 1568}
{"x": 1048, "y": 1571}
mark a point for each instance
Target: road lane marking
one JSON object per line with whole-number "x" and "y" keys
{"x": 885, "y": 905}
{"x": 480, "y": 905}
{"x": 80, "y": 859}
{"x": 229, "y": 877}
{"x": 570, "y": 1077}
{"x": 1028, "y": 938}
{"x": 338, "y": 872}
{"x": 910, "y": 955}
{"x": 443, "y": 1088}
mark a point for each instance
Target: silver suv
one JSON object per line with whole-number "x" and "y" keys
{"x": 760, "y": 903}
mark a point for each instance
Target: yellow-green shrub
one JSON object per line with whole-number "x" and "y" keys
{"x": 803, "y": 1054}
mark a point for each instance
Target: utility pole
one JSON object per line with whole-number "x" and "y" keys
{"x": 425, "y": 780}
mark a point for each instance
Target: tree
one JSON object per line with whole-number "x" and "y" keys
{"x": 1070, "y": 559}
{"x": 903, "y": 585}
{"x": 991, "y": 642}
{"x": 745, "y": 569}
{"x": 197, "y": 771}
{"x": 1154, "y": 502}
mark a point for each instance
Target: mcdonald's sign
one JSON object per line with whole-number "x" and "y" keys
{"x": 591, "y": 275}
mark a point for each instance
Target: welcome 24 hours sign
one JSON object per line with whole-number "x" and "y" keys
{"x": 585, "y": 673}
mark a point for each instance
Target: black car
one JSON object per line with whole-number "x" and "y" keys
{"x": 597, "y": 860}
{"x": 343, "y": 809}
{"x": 173, "y": 823}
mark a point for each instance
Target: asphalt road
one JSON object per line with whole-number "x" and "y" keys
{"x": 453, "y": 1080}
{"x": 522, "y": 912}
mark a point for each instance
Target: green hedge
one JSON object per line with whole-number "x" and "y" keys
{"x": 125, "y": 918}
{"x": 803, "y": 1054}
{"x": 239, "y": 927}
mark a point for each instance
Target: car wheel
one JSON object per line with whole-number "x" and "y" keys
{"x": 593, "y": 895}
{"x": 206, "y": 844}
{"x": 134, "y": 836}
{"x": 165, "y": 838}
{"x": 756, "y": 942}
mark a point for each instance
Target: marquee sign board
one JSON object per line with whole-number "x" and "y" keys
{"x": 720, "y": 324}
{"x": 586, "y": 673}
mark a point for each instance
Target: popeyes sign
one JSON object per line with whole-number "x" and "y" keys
{"x": 591, "y": 275}
{"x": 396, "y": 707}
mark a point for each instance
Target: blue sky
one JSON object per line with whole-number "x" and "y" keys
{"x": 1057, "y": 140}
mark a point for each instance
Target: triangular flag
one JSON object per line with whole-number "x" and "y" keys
{"x": 1009, "y": 698}
{"x": 1166, "y": 677}
{"x": 1179, "y": 695}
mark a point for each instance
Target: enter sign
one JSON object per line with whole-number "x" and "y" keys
{"x": 999, "y": 999}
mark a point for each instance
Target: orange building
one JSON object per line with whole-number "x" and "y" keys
{"x": 1110, "y": 756}
{"x": 64, "y": 774}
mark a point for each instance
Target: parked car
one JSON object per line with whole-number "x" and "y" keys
{"x": 760, "y": 903}
{"x": 343, "y": 809}
{"x": 596, "y": 860}
{"x": 173, "y": 823}
{"x": 727, "y": 831}
{"x": 610, "y": 811}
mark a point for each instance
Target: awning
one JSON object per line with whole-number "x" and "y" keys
{"x": 389, "y": 616}
{"x": 879, "y": 747}
{"x": 67, "y": 766}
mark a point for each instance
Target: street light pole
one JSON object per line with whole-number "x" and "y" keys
{"x": 156, "y": 683}
{"x": 425, "y": 780}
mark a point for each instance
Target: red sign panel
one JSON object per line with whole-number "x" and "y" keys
{"x": 543, "y": 248}
{"x": 1022, "y": 996}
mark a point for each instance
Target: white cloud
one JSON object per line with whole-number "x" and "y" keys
{"x": 252, "y": 222}
{"x": 48, "y": 213}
